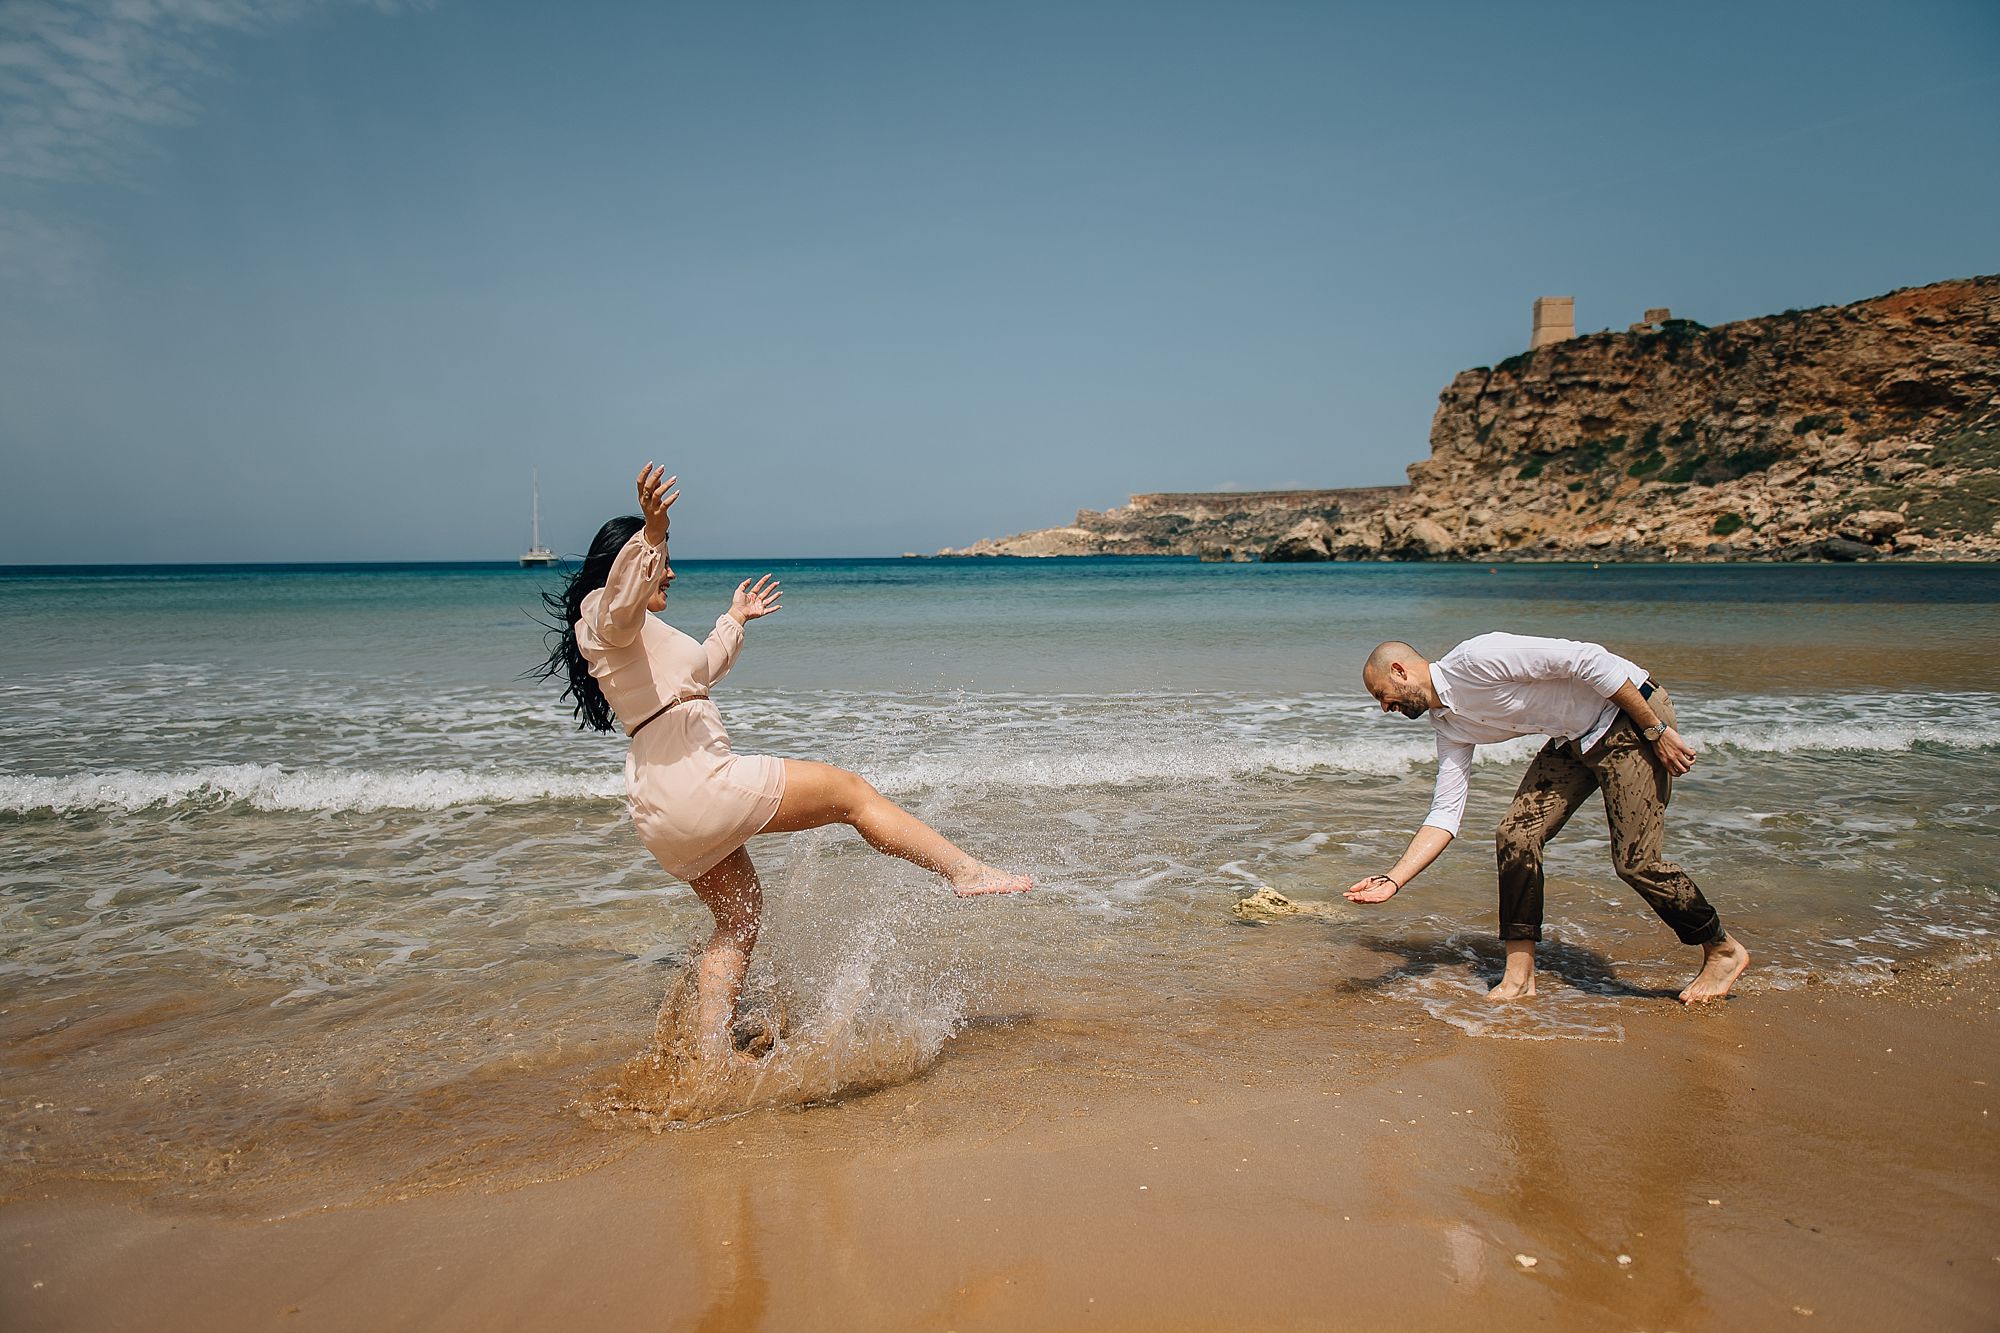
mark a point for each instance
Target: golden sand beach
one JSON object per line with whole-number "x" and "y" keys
{"x": 1310, "y": 1158}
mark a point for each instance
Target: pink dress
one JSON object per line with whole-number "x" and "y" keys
{"x": 693, "y": 800}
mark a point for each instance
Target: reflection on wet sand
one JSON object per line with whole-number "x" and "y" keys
{"x": 730, "y": 1252}
{"x": 1586, "y": 1180}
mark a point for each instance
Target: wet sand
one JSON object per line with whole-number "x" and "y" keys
{"x": 1323, "y": 1156}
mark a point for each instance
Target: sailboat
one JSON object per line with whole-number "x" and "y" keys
{"x": 537, "y": 554}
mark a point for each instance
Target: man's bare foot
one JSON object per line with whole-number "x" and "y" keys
{"x": 976, "y": 879}
{"x": 1721, "y": 964}
{"x": 1517, "y": 982}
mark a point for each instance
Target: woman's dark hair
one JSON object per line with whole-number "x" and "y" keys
{"x": 566, "y": 660}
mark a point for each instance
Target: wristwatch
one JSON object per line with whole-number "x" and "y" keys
{"x": 1654, "y": 732}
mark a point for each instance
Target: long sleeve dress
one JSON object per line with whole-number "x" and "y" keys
{"x": 693, "y": 800}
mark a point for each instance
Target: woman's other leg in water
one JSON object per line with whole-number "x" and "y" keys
{"x": 819, "y": 794}
{"x": 729, "y": 890}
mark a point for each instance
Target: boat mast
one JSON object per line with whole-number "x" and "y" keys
{"x": 536, "y": 545}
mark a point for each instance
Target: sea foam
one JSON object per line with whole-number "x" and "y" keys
{"x": 273, "y": 788}
{"x": 1013, "y": 745}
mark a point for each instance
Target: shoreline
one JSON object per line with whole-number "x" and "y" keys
{"x": 1895, "y": 559}
{"x": 116, "y": 569}
{"x": 1319, "y": 1154}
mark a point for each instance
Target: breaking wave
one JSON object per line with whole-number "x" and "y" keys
{"x": 1003, "y": 744}
{"x": 1862, "y": 737}
{"x": 273, "y": 788}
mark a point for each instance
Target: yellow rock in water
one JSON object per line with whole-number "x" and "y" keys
{"x": 1268, "y": 904}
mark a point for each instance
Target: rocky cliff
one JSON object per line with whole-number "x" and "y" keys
{"x": 1217, "y": 525}
{"x": 1844, "y": 432}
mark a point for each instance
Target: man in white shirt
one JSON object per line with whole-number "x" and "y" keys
{"x": 1609, "y": 728}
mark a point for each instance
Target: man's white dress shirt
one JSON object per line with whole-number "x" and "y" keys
{"x": 1499, "y": 686}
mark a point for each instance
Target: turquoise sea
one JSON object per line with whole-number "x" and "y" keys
{"x": 297, "y": 865}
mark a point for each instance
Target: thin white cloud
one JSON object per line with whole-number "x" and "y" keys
{"x": 85, "y": 89}
{"x": 83, "y": 84}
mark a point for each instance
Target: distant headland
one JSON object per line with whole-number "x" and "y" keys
{"x": 1854, "y": 432}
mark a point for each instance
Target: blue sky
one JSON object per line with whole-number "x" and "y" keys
{"x": 326, "y": 280}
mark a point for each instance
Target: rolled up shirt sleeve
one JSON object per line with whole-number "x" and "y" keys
{"x": 1454, "y": 780}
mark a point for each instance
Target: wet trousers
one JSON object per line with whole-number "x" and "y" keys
{"x": 1636, "y": 789}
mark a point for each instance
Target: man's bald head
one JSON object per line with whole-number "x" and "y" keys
{"x": 1386, "y": 655}
{"x": 1399, "y": 678}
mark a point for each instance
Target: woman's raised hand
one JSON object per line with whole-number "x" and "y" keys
{"x": 656, "y": 497}
{"x": 749, "y": 603}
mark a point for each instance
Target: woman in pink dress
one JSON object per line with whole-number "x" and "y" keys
{"x": 694, "y": 801}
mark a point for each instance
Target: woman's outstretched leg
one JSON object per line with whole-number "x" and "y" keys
{"x": 819, "y": 794}
{"x": 731, "y": 891}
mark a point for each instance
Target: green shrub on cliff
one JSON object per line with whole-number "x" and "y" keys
{"x": 1685, "y": 470}
{"x": 1741, "y": 463}
{"x": 1969, "y": 449}
{"x": 1971, "y": 506}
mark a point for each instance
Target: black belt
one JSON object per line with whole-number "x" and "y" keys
{"x": 670, "y": 704}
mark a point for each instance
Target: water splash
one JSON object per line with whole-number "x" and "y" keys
{"x": 854, "y": 1039}
{"x": 857, "y": 986}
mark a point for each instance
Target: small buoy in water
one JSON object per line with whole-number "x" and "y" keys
{"x": 1624, "y": 1261}
{"x": 1526, "y": 1260}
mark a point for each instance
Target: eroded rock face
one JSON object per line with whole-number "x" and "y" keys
{"x": 1217, "y": 525}
{"x": 1418, "y": 537}
{"x": 1872, "y": 525}
{"x": 1047, "y": 541}
{"x": 1309, "y": 539}
{"x": 1795, "y": 436}
{"x": 1804, "y": 435}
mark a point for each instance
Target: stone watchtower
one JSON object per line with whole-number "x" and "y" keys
{"x": 1555, "y": 320}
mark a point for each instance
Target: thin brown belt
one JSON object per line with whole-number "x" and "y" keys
{"x": 669, "y": 704}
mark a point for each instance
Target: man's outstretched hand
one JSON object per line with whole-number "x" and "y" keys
{"x": 1374, "y": 889}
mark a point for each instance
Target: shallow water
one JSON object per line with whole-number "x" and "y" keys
{"x": 306, "y": 896}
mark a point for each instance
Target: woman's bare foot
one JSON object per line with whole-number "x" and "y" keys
{"x": 724, "y": 1053}
{"x": 1518, "y": 981}
{"x": 974, "y": 879}
{"x": 754, "y": 1037}
{"x": 1721, "y": 964}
